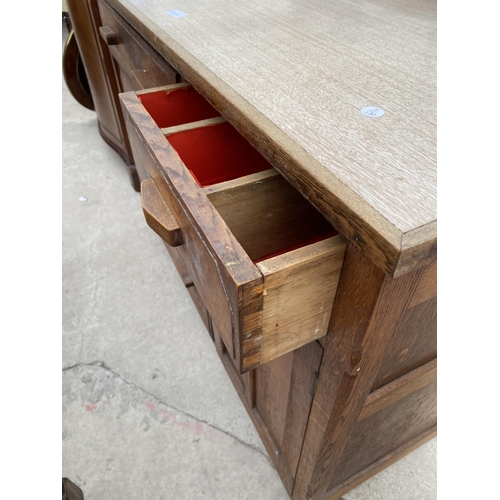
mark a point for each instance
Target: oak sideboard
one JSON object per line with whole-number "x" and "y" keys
{"x": 286, "y": 154}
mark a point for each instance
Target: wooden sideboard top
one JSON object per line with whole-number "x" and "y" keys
{"x": 293, "y": 77}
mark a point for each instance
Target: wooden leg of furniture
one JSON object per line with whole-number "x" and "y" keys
{"x": 134, "y": 178}
{"x": 70, "y": 491}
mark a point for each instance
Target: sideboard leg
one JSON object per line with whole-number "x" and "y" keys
{"x": 134, "y": 178}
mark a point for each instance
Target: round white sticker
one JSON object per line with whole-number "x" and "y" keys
{"x": 372, "y": 111}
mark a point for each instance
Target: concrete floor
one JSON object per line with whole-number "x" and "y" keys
{"x": 148, "y": 411}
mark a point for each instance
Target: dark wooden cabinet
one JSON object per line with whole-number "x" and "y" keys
{"x": 330, "y": 342}
{"x": 104, "y": 87}
{"x": 130, "y": 65}
{"x": 136, "y": 65}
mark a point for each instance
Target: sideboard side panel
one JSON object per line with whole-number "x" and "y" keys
{"x": 378, "y": 435}
{"x": 415, "y": 341}
{"x": 367, "y": 310}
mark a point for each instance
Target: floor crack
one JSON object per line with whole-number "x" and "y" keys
{"x": 103, "y": 365}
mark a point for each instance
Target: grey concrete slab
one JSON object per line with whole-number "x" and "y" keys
{"x": 148, "y": 410}
{"x": 120, "y": 442}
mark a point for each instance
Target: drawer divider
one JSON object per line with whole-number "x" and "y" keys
{"x": 193, "y": 125}
{"x": 165, "y": 88}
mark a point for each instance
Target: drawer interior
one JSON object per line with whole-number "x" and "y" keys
{"x": 177, "y": 106}
{"x": 264, "y": 212}
{"x": 217, "y": 153}
{"x": 267, "y": 215}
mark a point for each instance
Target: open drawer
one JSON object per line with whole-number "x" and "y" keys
{"x": 264, "y": 261}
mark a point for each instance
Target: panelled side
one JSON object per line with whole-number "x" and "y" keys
{"x": 414, "y": 342}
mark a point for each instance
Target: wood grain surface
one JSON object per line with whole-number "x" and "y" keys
{"x": 299, "y": 75}
{"x": 427, "y": 288}
{"x": 137, "y": 65}
{"x": 219, "y": 278}
{"x": 266, "y": 215}
{"x": 401, "y": 387}
{"x": 278, "y": 398}
{"x": 373, "y": 469}
{"x": 86, "y": 20}
{"x": 190, "y": 126}
{"x": 377, "y": 435}
{"x": 299, "y": 290}
{"x": 365, "y": 315}
{"x": 413, "y": 344}
{"x": 158, "y": 214}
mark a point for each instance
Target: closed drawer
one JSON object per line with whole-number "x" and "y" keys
{"x": 265, "y": 263}
{"x": 139, "y": 66}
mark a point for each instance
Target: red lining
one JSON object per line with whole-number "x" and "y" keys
{"x": 179, "y": 106}
{"x": 217, "y": 153}
{"x": 212, "y": 154}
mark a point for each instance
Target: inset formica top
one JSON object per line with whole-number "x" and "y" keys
{"x": 294, "y": 77}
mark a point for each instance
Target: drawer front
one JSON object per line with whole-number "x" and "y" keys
{"x": 138, "y": 65}
{"x": 265, "y": 263}
{"x": 213, "y": 280}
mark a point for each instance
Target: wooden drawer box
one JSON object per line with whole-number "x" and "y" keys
{"x": 264, "y": 262}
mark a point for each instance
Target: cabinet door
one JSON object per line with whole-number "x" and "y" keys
{"x": 278, "y": 397}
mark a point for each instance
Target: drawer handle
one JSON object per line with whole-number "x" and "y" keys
{"x": 158, "y": 214}
{"x": 109, "y": 36}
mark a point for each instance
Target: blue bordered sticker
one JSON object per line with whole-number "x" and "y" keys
{"x": 176, "y": 13}
{"x": 372, "y": 111}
